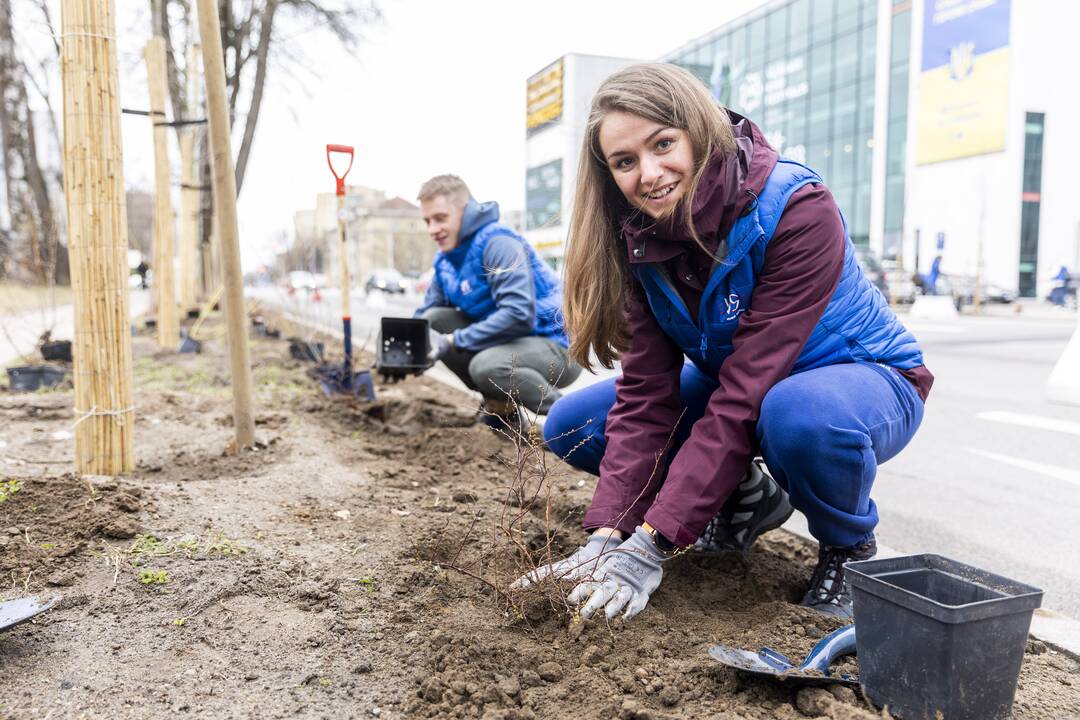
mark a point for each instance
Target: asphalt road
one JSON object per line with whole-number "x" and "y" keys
{"x": 991, "y": 479}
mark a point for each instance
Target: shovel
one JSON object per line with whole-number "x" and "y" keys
{"x": 814, "y": 670}
{"x": 334, "y": 381}
{"x": 19, "y": 611}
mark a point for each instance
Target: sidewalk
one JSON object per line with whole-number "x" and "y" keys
{"x": 19, "y": 332}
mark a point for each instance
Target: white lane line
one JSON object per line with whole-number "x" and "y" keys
{"x": 925, "y": 327}
{"x": 1032, "y": 421}
{"x": 1059, "y": 473}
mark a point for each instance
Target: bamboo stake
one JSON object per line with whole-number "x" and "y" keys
{"x": 189, "y": 195}
{"x": 189, "y": 218}
{"x": 168, "y": 328}
{"x": 224, "y": 181}
{"x": 97, "y": 238}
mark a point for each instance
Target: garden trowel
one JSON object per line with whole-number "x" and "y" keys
{"x": 813, "y": 670}
{"x": 18, "y": 611}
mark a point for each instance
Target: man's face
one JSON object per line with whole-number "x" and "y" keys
{"x": 443, "y": 219}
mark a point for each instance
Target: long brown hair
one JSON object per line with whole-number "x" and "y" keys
{"x": 597, "y": 274}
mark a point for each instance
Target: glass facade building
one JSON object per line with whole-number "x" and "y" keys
{"x": 803, "y": 70}
{"x": 935, "y": 124}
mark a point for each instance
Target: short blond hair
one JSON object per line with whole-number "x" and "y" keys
{"x": 450, "y": 186}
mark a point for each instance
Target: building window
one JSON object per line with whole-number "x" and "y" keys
{"x": 543, "y": 195}
{"x": 896, "y": 149}
{"x": 1030, "y": 202}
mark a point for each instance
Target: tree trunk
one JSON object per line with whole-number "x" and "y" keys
{"x": 262, "y": 54}
{"x": 33, "y": 232}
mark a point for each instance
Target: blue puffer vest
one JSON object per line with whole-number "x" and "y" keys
{"x": 857, "y": 326}
{"x": 467, "y": 287}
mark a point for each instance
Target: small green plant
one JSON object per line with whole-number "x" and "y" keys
{"x": 223, "y": 546}
{"x": 48, "y": 545}
{"x": 8, "y": 488}
{"x": 325, "y": 682}
{"x": 368, "y": 583}
{"x": 153, "y": 577}
{"x": 180, "y": 622}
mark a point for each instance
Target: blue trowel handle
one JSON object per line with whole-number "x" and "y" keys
{"x": 836, "y": 644}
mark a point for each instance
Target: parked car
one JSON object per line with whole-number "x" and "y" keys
{"x": 872, "y": 269}
{"x": 385, "y": 279}
{"x": 301, "y": 280}
{"x": 424, "y": 281}
{"x": 962, "y": 288}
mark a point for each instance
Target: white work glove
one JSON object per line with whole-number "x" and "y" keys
{"x": 581, "y": 563}
{"x": 438, "y": 345}
{"x": 626, "y": 578}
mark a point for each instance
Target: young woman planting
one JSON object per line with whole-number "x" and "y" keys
{"x": 723, "y": 278}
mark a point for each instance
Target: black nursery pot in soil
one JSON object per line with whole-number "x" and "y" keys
{"x": 306, "y": 351}
{"x": 57, "y": 350}
{"x": 29, "y": 378}
{"x": 940, "y": 638}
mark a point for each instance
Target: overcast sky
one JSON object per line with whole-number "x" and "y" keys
{"x": 439, "y": 87}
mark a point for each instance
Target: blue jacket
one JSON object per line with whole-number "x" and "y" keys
{"x": 857, "y": 326}
{"x": 496, "y": 278}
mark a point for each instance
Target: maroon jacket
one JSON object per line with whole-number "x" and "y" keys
{"x": 802, "y": 268}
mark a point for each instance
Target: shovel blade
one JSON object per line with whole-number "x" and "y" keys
{"x": 769, "y": 663}
{"x": 18, "y": 611}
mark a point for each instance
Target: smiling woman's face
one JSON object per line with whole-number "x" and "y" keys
{"x": 651, "y": 163}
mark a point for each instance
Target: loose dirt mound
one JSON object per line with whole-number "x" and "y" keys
{"x": 356, "y": 565}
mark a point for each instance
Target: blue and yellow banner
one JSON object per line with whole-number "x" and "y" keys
{"x": 964, "y": 80}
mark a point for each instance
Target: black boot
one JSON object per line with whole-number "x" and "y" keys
{"x": 505, "y": 419}
{"x": 757, "y": 506}
{"x": 830, "y": 592}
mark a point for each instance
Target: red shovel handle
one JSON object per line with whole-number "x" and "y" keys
{"x": 344, "y": 149}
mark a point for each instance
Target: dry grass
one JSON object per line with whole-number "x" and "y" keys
{"x": 17, "y": 297}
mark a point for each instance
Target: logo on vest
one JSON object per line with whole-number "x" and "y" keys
{"x": 466, "y": 287}
{"x": 731, "y": 303}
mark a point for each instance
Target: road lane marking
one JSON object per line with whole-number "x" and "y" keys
{"x": 1059, "y": 473}
{"x": 1032, "y": 421}
{"x": 925, "y": 327}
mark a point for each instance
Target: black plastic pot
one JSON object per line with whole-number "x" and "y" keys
{"x": 937, "y": 636}
{"x": 193, "y": 313}
{"x": 150, "y": 323}
{"x": 305, "y": 351}
{"x": 56, "y": 350}
{"x": 402, "y": 347}
{"x": 29, "y": 378}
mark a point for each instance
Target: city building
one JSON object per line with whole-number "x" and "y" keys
{"x": 380, "y": 233}
{"x": 940, "y": 126}
{"x": 558, "y": 106}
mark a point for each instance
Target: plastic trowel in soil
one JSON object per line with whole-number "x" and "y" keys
{"x": 14, "y": 612}
{"x": 813, "y": 670}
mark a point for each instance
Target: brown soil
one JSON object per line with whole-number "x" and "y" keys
{"x": 354, "y": 564}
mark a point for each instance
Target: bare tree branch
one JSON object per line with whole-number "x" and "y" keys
{"x": 266, "y": 30}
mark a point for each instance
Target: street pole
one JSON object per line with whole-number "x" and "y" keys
{"x": 168, "y": 327}
{"x": 224, "y": 182}
{"x": 97, "y": 239}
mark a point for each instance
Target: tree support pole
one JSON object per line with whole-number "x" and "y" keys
{"x": 168, "y": 326}
{"x": 97, "y": 239}
{"x": 224, "y": 182}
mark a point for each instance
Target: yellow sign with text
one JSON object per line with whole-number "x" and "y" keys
{"x": 963, "y": 111}
{"x": 545, "y": 96}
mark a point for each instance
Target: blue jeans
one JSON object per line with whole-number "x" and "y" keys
{"x": 822, "y": 434}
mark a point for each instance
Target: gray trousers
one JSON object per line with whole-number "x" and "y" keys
{"x": 528, "y": 369}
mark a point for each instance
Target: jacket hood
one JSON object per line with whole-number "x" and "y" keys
{"x": 476, "y": 216}
{"x": 728, "y": 188}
